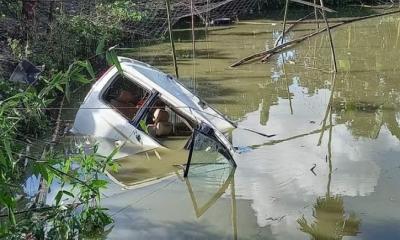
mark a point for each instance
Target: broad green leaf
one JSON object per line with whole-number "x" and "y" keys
{"x": 100, "y": 46}
{"x": 7, "y": 147}
{"x": 110, "y": 157}
{"x": 90, "y": 70}
{"x": 68, "y": 193}
{"x": 109, "y": 58}
{"x": 143, "y": 125}
{"x": 67, "y": 165}
{"x": 81, "y": 78}
{"x": 44, "y": 172}
{"x": 59, "y": 88}
{"x": 115, "y": 61}
{"x": 99, "y": 183}
{"x": 58, "y": 197}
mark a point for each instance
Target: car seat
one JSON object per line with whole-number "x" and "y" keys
{"x": 161, "y": 126}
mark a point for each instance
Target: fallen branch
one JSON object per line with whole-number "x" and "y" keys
{"x": 284, "y": 33}
{"x": 291, "y": 27}
{"x": 298, "y": 40}
{"x": 275, "y": 45}
{"x": 277, "y": 48}
{"x": 295, "y": 41}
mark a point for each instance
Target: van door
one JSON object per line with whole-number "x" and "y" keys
{"x": 207, "y": 153}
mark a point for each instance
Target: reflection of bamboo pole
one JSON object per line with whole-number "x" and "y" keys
{"x": 274, "y": 142}
{"x": 328, "y": 190}
{"x": 349, "y": 37}
{"x": 234, "y": 208}
{"x": 171, "y": 38}
{"x": 330, "y": 36}
{"x": 328, "y": 109}
{"x": 287, "y": 84}
{"x": 315, "y": 54}
{"x": 398, "y": 33}
{"x": 284, "y": 20}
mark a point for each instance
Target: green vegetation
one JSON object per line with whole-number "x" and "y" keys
{"x": 72, "y": 49}
{"x": 22, "y": 116}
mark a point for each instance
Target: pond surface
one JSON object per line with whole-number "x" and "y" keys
{"x": 332, "y": 170}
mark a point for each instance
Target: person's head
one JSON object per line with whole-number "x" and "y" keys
{"x": 159, "y": 104}
{"x": 127, "y": 97}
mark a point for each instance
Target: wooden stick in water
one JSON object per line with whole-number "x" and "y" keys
{"x": 171, "y": 38}
{"x": 330, "y": 36}
{"x": 284, "y": 20}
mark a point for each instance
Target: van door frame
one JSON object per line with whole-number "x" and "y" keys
{"x": 207, "y": 131}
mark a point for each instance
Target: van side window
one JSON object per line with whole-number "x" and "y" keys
{"x": 125, "y": 96}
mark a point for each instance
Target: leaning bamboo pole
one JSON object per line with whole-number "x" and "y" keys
{"x": 171, "y": 37}
{"x": 285, "y": 45}
{"x": 330, "y": 36}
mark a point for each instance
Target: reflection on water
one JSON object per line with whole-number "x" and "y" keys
{"x": 330, "y": 220}
{"x": 345, "y": 127}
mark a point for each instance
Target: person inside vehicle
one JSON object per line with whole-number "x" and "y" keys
{"x": 127, "y": 103}
{"x": 157, "y": 120}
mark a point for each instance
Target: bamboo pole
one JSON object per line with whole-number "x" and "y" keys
{"x": 284, "y": 21}
{"x": 287, "y": 84}
{"x": 330, "y": 36}
{"x": 206, "y": 35}
{"x": 316, "y": 14}
{"x": 193, "y": 46}
{"x": 171, "y": 37}
{"x": 207, "y": 15}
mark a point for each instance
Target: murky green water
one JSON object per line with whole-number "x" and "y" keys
{"x": 345, "y": 127}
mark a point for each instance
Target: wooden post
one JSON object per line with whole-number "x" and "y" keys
{"x": 171, "y": 37}
{"x": 193, "y": 34}
{"x": 284, "y": 20}
{"x": 287, "y": 85}
{"x": 316, "y": 14}
{"x": 207, "y": 15}
{"x": 193, "y": 46}
{"x": 330, "y": 36}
